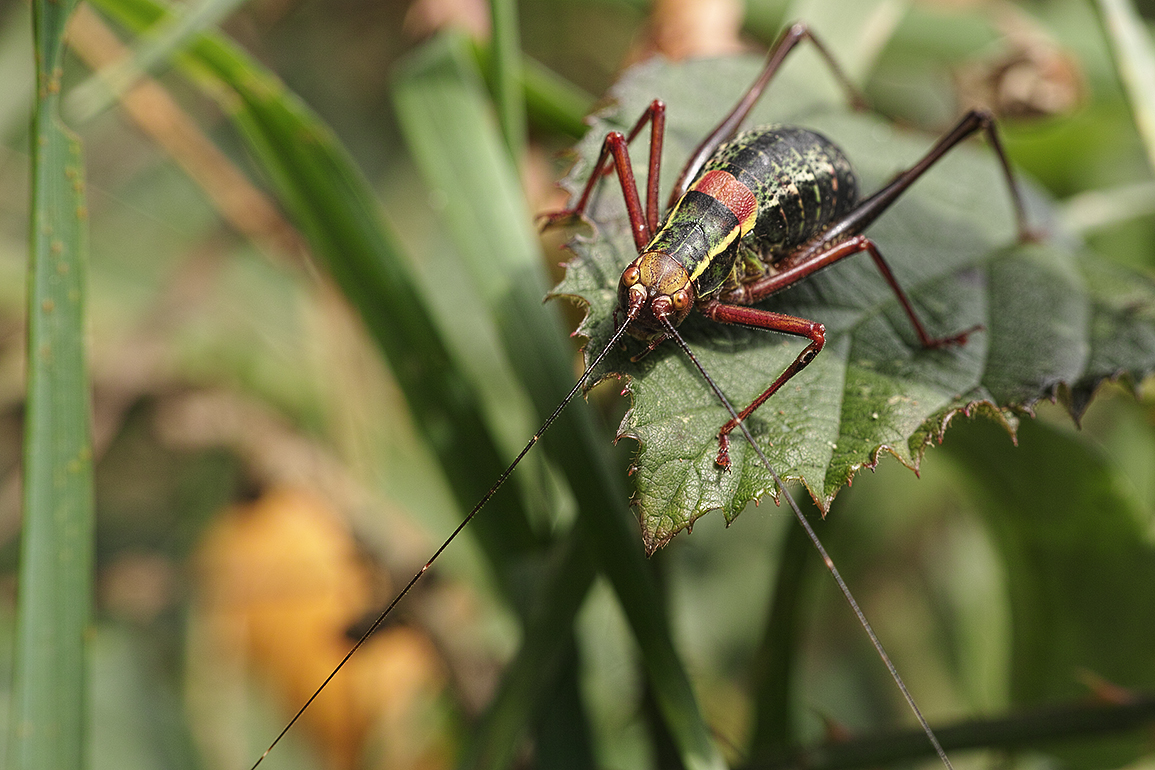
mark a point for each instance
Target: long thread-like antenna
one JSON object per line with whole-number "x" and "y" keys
{"x": 630, "y": 316}
{"x": 874, "y": 640}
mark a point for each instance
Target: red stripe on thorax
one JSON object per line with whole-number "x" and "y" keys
{"x": 737, "y": 197}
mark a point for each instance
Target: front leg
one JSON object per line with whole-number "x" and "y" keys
{"x": 764, "y": 319}
{"x": 615, "y": 155}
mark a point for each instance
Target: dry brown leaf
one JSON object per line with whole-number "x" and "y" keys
{"x": 280, "y": 580}
{"x": 1033, "y": 77}
{"x": 682, "y": 29}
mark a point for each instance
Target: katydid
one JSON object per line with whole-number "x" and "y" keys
{"x": 751, "y": 214}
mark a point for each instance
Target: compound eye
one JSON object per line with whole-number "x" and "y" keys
{"x": 631, "y": 275}
{"x": 681, "y": 299}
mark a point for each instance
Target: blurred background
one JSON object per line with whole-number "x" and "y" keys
{"x": 261, "y": 484}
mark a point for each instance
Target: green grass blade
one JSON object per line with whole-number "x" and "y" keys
{"x": 506, "y": 64}
{"x": 101, "y": 90}
{"x": 548, "y": 637}
{"x": 50, "y": 690}
{"x": 554, "y": 101}
{"x": 452, "y": 133}
{"x": 550, "y": 100}
{"x": 1135, "y": 58}
{"x": 773, "y": 677}
{"x": 441, "y": 106}
{"x": 333, "y": 205}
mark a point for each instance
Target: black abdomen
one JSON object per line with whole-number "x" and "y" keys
{"x": 801, "y": 180}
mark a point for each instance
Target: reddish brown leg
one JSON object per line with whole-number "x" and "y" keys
{"x": 792, "y": 36}
{"x": 926, "y": 340}
{"x": 873, "y": 207}
{"x": 616, "y": 145}
{"x": 764, "y": 319}
{"x": 650, "y": 346}
{"x": 656, "y": 115}
{"x": 761, "y": 289}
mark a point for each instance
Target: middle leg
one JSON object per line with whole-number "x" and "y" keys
{"x": 756, "y": 318}
{"x": 615, "y": 155}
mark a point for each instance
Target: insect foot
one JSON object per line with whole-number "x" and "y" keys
{"x": 553, "y": 218}
{"x": 958, "y": 339}
{"x": 723, "y": 458}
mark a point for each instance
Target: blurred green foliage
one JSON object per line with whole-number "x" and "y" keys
{"x": 225, "y": 364}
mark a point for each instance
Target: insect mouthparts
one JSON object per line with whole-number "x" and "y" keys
{"x": 661, "y": 286}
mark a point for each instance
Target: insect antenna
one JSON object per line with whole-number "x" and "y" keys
{"x": 672, "y": 331}
{"x": 632, "y": 313}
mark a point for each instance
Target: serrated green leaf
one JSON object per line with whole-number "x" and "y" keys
{"x": 1052, "y": 314}
{"x": 49, "y": 702}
